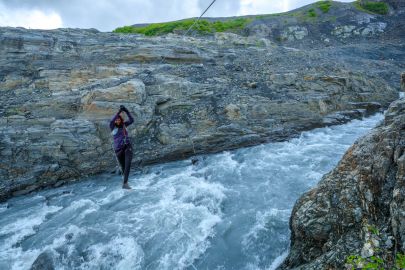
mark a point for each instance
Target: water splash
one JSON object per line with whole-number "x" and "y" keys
{"x": 231, "y": 211}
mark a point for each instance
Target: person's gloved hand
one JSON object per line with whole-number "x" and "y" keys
{"x": 123, "y": 109}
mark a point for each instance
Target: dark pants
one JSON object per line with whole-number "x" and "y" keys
{"x": 125, "y": 157}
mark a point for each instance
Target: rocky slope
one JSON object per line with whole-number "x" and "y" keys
{"x": 323, "y": 23}
{"x": 358, "y": 208}
{"x": 340, "y": 23}
{"x": 59, "y": 89}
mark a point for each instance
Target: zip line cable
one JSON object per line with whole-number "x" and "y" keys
{"x": 185, "y": 34}
{"x": 191, "y": 26}
{"x": 199, "y": 17}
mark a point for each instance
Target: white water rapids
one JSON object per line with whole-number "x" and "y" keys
{"x": 231, "y": 211}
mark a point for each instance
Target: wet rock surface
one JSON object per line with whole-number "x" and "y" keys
{"x": 43, "y": 262}
{"x": 357, "y": 209}
{"x": 189, "y": 95}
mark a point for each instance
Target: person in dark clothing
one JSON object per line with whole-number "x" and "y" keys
{"x": 122, "y": 142}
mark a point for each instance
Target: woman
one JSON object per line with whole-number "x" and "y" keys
{"x": 122, "y": 142}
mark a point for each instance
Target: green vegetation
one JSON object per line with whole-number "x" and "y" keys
{"x": 373, "y": 230}
{"x": 124, "y": 29}
{"x": 382, "y": 257}
{"x": 14, "y": 111}
{"x": 400, "y": 261}
{"x": 324, "y": 6}
{"x": 202, "y": 27}
{"x": 357, "y": 262}
{"x": 376, "y": 7}
{"x": 312, "y": 13}
{"x": 331, "y": 19}
{"x": 260, "y": 17}
{"x": 380, "y": 8}
{"x": 374, "y": 262}
{"x": 281, "y": 39}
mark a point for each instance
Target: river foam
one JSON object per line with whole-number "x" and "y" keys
{"x": 230, "y": 211}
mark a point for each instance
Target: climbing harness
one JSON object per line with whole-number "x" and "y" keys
{"x": 115, "y": 130}
{"x": 124, "y": 131}
{"x": 116, "y": 159}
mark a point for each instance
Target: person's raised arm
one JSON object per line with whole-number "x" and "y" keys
{"x": 112, "y": 122}
{"x": 131, "y": 119}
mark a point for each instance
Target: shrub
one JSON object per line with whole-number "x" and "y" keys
{"x": 400, "y": 261}
{"x": 312, "y": 13}
{"x": 376, "y": 7}
{"x": 124, "y": 29}
{"x": 324, "y": 6}
{"x": 374, "y": 262}
{"x": 373, "y": 7}
{"x": 356, "y": 262}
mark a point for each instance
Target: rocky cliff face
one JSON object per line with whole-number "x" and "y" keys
{"x": 60, "y": 88}
{"x": 317, "y": 25}
{"x": 357, "y": 209}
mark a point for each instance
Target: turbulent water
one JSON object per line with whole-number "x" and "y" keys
{"x": 230, "y": 211}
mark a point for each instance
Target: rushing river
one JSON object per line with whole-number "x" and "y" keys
{"x": 231, "y": 211}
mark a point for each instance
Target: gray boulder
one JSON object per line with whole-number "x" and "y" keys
{"x": 43, "y": 262}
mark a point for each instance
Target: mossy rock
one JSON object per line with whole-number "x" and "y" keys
{"x": 380, "y": 8}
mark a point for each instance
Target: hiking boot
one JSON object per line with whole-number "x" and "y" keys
{"x": 126, "y": 186}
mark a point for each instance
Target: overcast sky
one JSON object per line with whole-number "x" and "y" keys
{"x": 106, "y": 15}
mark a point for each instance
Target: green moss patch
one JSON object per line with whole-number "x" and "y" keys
{"x": 380, "y": 8}
{"x": 312, "y": 13}
{"x": 202, "y": 27}
{"x": 324, "y": 6}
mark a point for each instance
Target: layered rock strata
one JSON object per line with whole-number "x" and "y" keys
{"x": 188, "y": 96}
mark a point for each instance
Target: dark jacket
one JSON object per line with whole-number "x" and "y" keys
{"x": 120, "y": 134}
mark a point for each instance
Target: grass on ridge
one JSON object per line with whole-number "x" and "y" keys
{"x": 202, "y": 27}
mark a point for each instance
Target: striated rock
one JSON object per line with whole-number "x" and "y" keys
{"x": 233, "y": 39}
{"x": 294, "y": 33}
{"x": 357, "y": 208}
{"x": 347, "y": 31}
{"x": 188, "y": 95}
{"x": 343, "y": 31}
{"x": 233, "y": 112}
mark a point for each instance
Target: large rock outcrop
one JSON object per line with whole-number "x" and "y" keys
{"x": 356, "y": 214}
{"x": 327, "y": 23}
{"x": 188, "y": 95}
